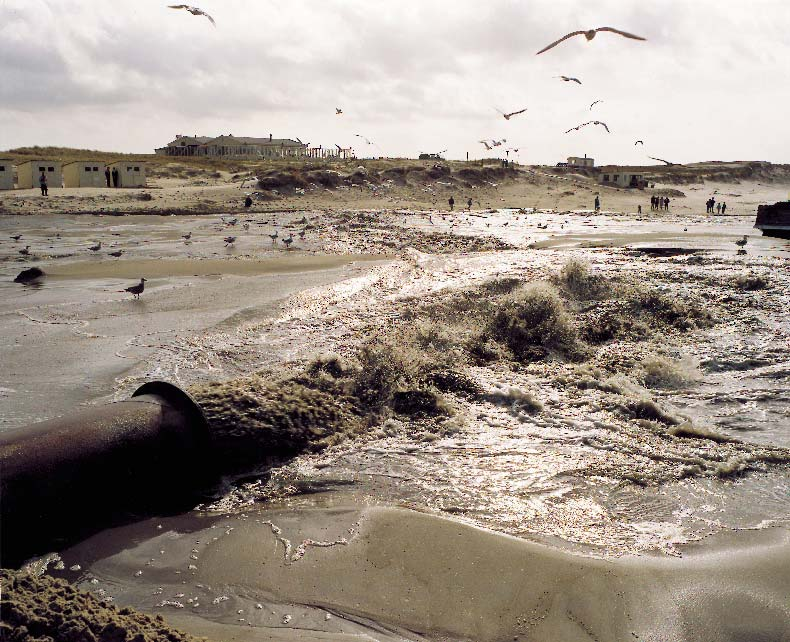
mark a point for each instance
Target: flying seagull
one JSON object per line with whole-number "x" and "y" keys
{"x": 590, "y": 34}
{"x": 485, "y": 142}
{"x": 137, "y": 290}
{"x": 569, "y": 79}
{"x": 639, "y": 142}
{"x": 589, "y": 122}
{"x": 193, "y": 10}
{"x": 497, "y": 143}
{"x": 363, "y": 138}
{"x": 662, "y": 160}
{"x": 595, "y": 103}
{"x": 511, "y": 114}
{"x": 338, "y": 111}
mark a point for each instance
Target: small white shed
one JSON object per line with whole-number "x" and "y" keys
{"x": 130, "y": 173}
{"x": 84, "y": 174}
{"x": 6, "y": 173}
{"x": 29, "y": 171}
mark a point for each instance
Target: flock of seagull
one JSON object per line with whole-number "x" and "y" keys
{"x": 589, "y": 34}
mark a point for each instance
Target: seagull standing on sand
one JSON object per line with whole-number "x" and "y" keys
{"x": 743, "y": 241}
{"x": 25, "y": 250}
{"x": 95, "y": 248}
{"x": 186, "y": 236}
{"x": 590, "y": 34}
{"x": 288, "y": 241}
{"x": 137, "y": 290}
{"x": 229, "y": 240}
{"x": 116, "y": 254}
{"x": 569, "y": 79}
{"x": 16, "y": 237}
{"x": 193, "y": 10}
{"x": 274, "y": 236}
{"x": 589, "y": 122}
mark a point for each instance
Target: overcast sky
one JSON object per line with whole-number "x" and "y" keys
{"x": 712, "y": 82}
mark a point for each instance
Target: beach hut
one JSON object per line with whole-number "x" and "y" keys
{"x": 578, "y": 161}
{"x": 29, "y": 171}
{"x": 6, "y": 173}
{"x": 84, "y": 174}
{"x": 130, "y": 173}
{"x": 622, "y": 177}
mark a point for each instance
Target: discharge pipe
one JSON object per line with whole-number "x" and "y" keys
{"x": 71, "y": 476}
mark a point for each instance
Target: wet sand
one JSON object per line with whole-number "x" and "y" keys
{"x": 418, "y": 575}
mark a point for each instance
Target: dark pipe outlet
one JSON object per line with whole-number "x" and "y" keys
{"x": 69, "y": 477}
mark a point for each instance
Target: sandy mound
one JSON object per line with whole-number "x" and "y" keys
{"x": 43, "y": 609}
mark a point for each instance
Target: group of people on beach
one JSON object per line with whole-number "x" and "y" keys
{"x": 721, "y": 208}
{"x": 451, "y": 203}
{"x": 113, "y": 176}
{"x": 659, "y": 202}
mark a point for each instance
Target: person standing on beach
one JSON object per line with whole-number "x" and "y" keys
{"x": 115, "y": 176}
{"x": 42, "y": 182}
{"x": 451, "y": 203}
{"x": 723, "y": 208}
{"x": 666, "y": 203}
{"x": 597, "y": 203}
{"x": 107, "y": 175}
{"x": 638, "y": 209}
{"x": 718, "y": 208}
{"x": 469, "y": 205}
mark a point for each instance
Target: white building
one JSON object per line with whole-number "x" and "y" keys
{"x": 84, "y": 174}
{"x": 577, "y": 161}
{"x": 622, "y": 177}
{"x": 130, "y": 173}
{"x": 28, "y": 173}
{"x": 231, "y": 146}
{"x": 6, "y": 173}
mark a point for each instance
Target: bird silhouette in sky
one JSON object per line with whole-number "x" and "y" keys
{"x": 590, "y": 34}
{"x": 589, "y": 122}
{"x": 511, "y": 114}
{"x": 195, "y": 11}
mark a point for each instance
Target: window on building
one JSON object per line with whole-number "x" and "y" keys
{"x": 2, "y": 168}
{"x": 95, "y": 169}
{"x": 606, "y": 177}
{"x": 616, "y": 177}
{"x": 87, "y": 169}
{"x": 136, "y": 169}
{"x": 128, "y": 169}
{"x": 41, "y": 169}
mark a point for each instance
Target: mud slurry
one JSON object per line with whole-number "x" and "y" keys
{"x": 532, "y": 403}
